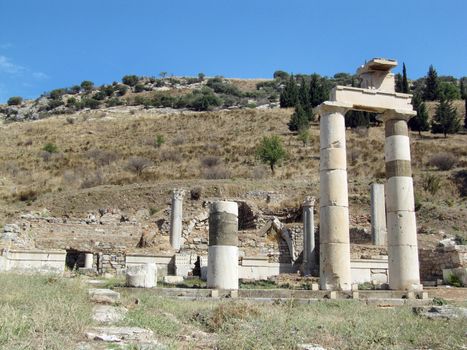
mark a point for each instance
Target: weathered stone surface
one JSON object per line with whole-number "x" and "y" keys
{"x": 104, "y": 296}
{"x": 108, "y": 314}
{"x": 309, "y": 347}
{"x": 120, "y": 334}
{"x": 173, "y": 279}
{"x": 441, "y": 312}
{"x": 141, "y": 276}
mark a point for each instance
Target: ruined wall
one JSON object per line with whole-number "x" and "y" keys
{"x": 433, "y": 261}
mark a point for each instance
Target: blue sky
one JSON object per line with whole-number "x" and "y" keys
{"x": 56, "y": 43}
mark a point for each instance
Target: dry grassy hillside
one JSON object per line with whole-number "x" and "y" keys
{"x": 214, "y": 150}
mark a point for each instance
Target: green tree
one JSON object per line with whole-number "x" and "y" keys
{"x": 462, "y": 88}
{"x": 431, "y": 91}
{"x": 87, "y": 85}
{"x": 289, "y": 94}
{"x": 15, "y": 101}
{"x": 299, "y": 119}
{"x": 449, "y": 90}
{"x": 130, "y": 80}
{"x": 398, "y": 82}
{"x": 281, "y": 75}
{"x": 445, "y": 120}
{"x": 405, "y": 82}
{"x": 318, "y": 91}
{"x": 271, "y": 151}
{"x": 465, "y": 112}
{"x": 355, "y": 119}
{"x": 304, "y": 94}
{"x": 420, "y": 121}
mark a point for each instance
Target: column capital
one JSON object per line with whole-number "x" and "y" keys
{"x": 178, "y": 193}
{"x": 328, "y": 107}
{"x": 309, "y": 201}
{"x": 398, "y": 114}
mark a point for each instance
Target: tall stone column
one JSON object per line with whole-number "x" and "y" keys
{"x": 334, "y": 206}
{"x": 223, "y": 246}
{"x": 309, "y": 256}
{"x": 378, "y": 215}
{"x": 176, "y": 215}
{"x": 404, "y": 273}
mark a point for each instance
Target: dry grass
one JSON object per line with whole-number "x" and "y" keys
{"x": 90, "y": 169}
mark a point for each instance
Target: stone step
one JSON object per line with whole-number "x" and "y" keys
{"x": 108, "y": 314}
{"x": 96, "y": 283}
{"x": 144, "y": 338}
{"x": 103, "y": 296}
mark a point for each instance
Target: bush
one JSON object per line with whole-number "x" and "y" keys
{"x": 29, "y": 195}
{"x": 90, "y": 103}
{"x": 195, "y": 193}
{"x": 87, "y": 85}
{"x": 101, "y": 157}
{"x": 57, "y": 93}
{"x": 204, "y": 101}
{"x": 221, "y": 87}
{"x": 443, "y": 161}
{"x": 431, "y": 183}
{"x": 15, "y": 101}
{"x": 460, "y": 179}
{"x": 130, "y": 80}
{"x": 159, "y": 140}
{"x": 137, "y": 165}
{"x": 139, "y": 88}
{"x": 50, "y": 147}
{"x": 210, "y": 161}
{"x": 96, "y": 179}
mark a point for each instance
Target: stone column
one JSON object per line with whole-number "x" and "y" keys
{"x": 88, "y": 260}
{"x": 378, "y": 215}
{"x": 403, "y": 264}
{"x": 309, "y": 256}
{"x": 223, "y": 246}
{"x": 334, "y": 207}
{"x": 176, "y": 214}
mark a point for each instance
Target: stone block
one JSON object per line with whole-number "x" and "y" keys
{"x": 142, "y": 276}
{"x": 101, "y": 295}
{"x": 173, "y": 279}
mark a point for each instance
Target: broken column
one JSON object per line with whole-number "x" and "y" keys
{"x": 334, "y": 207}
{"x": 378, "y": 215}
{"x": 141, "y": 276}
{"x": 223, "y": 246}
{"x": 88, "y": 260}
{"x": 309, "y": 256}
{"x": 401, "y": 225}
{"x": 176, "y": 219}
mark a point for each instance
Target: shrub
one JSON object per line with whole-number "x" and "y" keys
{"x": 101, "y": 157}
{"x": 170, "y": 155}
{"x": 90, "y": 103}
{"x": 57, "y": 93}
{"x": 15, "y": 101}
{"x": 50, "y": 148}
{"x": 121, "y": 90}
{"x": 304, "y": 136}
{"x": 100, "y": 95}
{"x": 195, "y": 193}
{"x": 29, "y": 195}
{"x": 443, "y": 161}
{"x": 113, "y": 102}
{"x": 204, "y": 101}
{"x": 138, "y": 164}
{"x": 54, "y": 104}
{"x": 96, "y": 179}
{"x": 130, "y": 80}
{"x": 460, "y": 179}
{"x": 87, "y": 85}
{"x": 139, "y": 88}
{"x": 159, "y": 140}
{"x": 221, "y": 87}
{"x": 210, "y": 161}
{"x": 431, "y": 183}
{"x": 216, "y": 172}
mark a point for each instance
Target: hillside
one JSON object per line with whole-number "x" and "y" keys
{"x": 90, "y": 168}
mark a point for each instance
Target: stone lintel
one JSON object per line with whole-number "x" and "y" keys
{"x": 377, "y": 64}
{"x": 328, "y": 107}
{"x": 398, "y": 114}
{"x": 372, "y": 100}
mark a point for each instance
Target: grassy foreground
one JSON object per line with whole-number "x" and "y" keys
{"x": 38, "y": 312}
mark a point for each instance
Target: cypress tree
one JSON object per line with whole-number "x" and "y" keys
{"x": 289, "y": 95}
{"x": 405, "y": 83}
{"x": 465, "y": 113}
{"x": 462, "y": 89}
{"x": 304, "y": 93}
{"x": 445, "y": 120}
{"x": 299, "y": 120}
{"x": 318, "y": 93}
{"x": 431, "y": 91}
{"x": 420, "y": 121}
{"x": 398, "y": 82}
{"x": 355, "y": 119}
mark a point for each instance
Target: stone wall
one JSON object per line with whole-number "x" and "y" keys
{"x": 433, "y": 261}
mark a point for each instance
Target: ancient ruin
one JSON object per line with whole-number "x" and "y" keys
{"x": 377, "y": 94}
{"x": 176, "y": 219}
{"x": 223, "y": 246}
